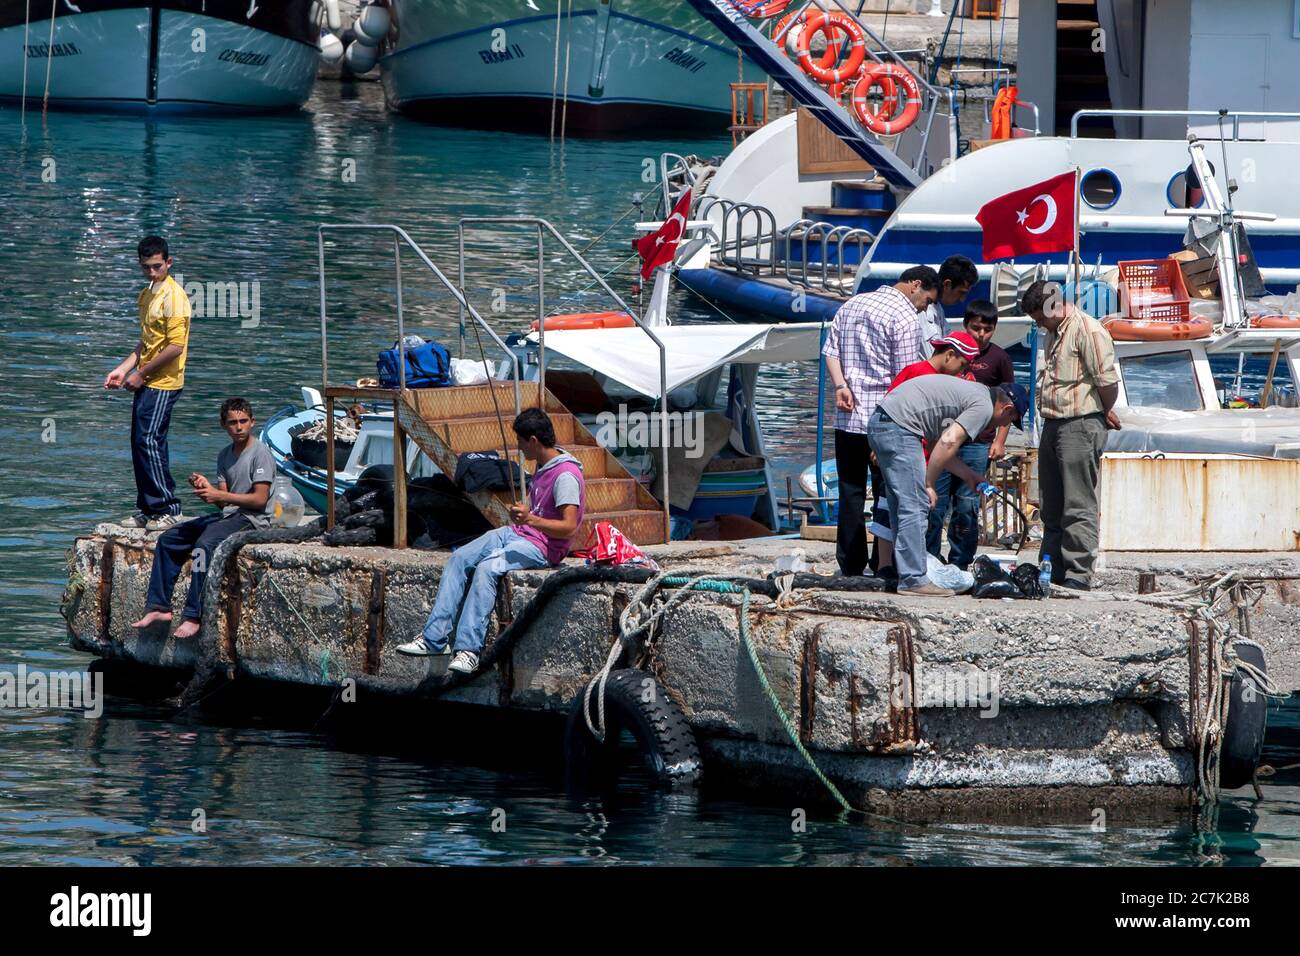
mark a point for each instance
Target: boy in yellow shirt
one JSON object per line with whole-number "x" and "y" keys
{"x": 155, "y": 372}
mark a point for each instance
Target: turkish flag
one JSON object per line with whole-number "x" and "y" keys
{"x": 1038, "y": 218}
{"x": 658, "y": 248}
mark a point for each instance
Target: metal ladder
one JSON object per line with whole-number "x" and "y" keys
{"x": 751, "y": 41}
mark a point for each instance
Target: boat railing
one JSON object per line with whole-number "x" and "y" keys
{"x": 544, "y": 229}
{"x": 1233, "y": 116}
{"x": 762, "y": 241}
{"x": 677, "y": 173}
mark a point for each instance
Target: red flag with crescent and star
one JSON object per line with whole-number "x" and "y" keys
{"x": 1038, "y": 218}
{"x": 659, "y": 247}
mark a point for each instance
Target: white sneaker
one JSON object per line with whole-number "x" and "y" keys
{"x": 164, "y": 522}
{"x": 420, "y": 648}
{"x": 465, "y": 662}
{"x": 137, "y": 520}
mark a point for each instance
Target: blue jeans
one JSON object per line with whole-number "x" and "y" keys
{"x": 151, "y": 414}
{"x": 192, "y": 541}
{"x": 964, "y": 528}
{"x": 903, "y": 462}
{"x": 490, "y": 556}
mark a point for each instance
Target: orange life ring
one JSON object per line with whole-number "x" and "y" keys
{"x": 888, "y": 97}
{"x": 898, "y": 120}
{"x": 819, "y": 22}
{"x": 799, "y": 19}
{"x": 773, "y": 8}
{"x": 587, "y": 320}
{"x": 1123, "y": 329}
{"x": 1275, "y": 322}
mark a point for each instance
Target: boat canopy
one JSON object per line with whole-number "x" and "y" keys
{"x": 630, "y": 357}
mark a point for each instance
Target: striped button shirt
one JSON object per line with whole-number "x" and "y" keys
{"x": 875, "y": 336}
{"x": 1079, "y": 358}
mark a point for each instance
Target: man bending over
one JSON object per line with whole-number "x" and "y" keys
{"x": 539, "y": 537}
{"x": 245, "y": 470}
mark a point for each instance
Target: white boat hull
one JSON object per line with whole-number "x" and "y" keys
{"x": 134, "y": 58}
{"x": 629, "y": 63}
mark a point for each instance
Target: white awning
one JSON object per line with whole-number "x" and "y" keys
{"x": 629, "y": 355}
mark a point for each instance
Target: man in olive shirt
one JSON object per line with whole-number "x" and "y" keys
{"x": 945, "y": 412}
{"x": 1076, "y": 397}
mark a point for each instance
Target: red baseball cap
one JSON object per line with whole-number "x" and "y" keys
{"x": 963, "y": 342}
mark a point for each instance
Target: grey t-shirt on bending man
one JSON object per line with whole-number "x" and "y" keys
{"x": 240, "y": 473}
{"x": 927, "y": 405}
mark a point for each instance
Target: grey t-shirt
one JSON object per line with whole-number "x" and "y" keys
{"x": 934, "y": 325}
{"x": 254, "y": 466}
{"x": 566, "y": 490}
{"x": 925, "y": 406}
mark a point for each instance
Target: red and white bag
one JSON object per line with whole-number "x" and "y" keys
{"x": 607, "y": 545}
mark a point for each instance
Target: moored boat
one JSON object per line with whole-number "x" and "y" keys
{"x": 172, "y": 55}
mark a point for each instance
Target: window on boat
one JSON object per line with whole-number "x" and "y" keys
{"x": 1176, "y": 191}
{"x": 1100, "y": 188}
{"x": 1162, "y": 380}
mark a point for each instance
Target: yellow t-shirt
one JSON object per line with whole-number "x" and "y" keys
{"x": 165, "y": 320}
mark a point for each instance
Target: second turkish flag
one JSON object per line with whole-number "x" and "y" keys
{"x": 1038, "y": 218}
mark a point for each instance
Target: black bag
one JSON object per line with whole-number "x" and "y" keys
{"x": 993, "y": 582}
{"x": 486, "y": 471}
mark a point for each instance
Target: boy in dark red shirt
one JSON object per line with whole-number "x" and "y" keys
{"x": 992, "y": 366}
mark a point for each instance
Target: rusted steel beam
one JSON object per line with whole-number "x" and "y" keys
{"x": 808, "y": 686}
{"x": 232, "y": 600}
{"x": 106, "y": 592}
{"x": 375, "y": 621}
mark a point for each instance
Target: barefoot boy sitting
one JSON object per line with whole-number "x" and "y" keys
{"x": 245, "y": 470}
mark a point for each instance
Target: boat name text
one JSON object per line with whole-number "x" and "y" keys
{"x": 40, "y": 51}
{"x": 512, "y": 52}
{"x": 685, "y": 60}
{"x": 245, "y": 57}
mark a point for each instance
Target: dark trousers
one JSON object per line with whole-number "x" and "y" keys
{"x": 964, "y": 527}
{"x": 1069, "y": 464}
{"x": 854, "y": 468}
{"x": 151, "y": 414}
{"x": 192, "y": 541}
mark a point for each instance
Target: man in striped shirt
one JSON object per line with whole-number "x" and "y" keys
{"x": 875, "y": 336}
{"x": 1076, "y": 396}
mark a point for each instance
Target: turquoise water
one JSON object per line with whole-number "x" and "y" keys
{"x": 240, "y": 200}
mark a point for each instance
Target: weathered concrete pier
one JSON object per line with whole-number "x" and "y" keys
{"x": 913, "y": 707}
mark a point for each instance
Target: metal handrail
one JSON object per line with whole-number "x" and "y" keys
{"x": 400, "y": 235}
{"x": 1236, "y": 117}
{"x": 864, "y": 238}
{"x": 543, "y": 227}
{"x": 741, "y": 211}
{"x": 665, "y": 173}
{"x": 786, "y": 233}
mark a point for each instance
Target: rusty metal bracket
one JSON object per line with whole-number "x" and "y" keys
{"x": 106, "y": 592}
{"x": 902, "y": 734}
{"x": 808, "y": 685}
{"x": 375, "y": 621}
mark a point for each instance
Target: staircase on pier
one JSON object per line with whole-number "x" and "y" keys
{"x": 448, "y": 422}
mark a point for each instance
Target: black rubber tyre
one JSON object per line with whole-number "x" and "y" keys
{"x": 664, "y": 740}
{"x": 1243, "y": 738}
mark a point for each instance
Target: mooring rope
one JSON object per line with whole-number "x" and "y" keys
{"x": 49, "y": 58}
{"x": 639, "y": 618}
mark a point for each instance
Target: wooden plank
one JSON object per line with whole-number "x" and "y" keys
{"x": 329, "y": 461}
{"x": 821, "y": 151}
{"x": 399, "y": 484}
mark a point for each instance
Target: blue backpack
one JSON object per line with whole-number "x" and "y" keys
{"x": 427, "y": 366}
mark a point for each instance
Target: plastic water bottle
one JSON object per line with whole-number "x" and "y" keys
{"x": 1045, "y": 575}
{"x": 286, "y": 505}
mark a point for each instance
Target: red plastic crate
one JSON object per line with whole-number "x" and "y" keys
{"x": 1154, "y": 290}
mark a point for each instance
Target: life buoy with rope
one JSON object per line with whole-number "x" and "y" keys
{"x": 797, "y": 22}
{"x": 1275, "y": 321}
{"x": 587, "y": 320}
{"x": 633, "y": 701}
{"x": 818, "y": 22}
{"x": 901, "y": 82}
{"x": 1123, "y": 329}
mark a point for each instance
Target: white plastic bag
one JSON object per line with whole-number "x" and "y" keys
{"x": 948, "y": 575}
{"x": 792, "y": 563}
{"x": 467, "y": 372}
